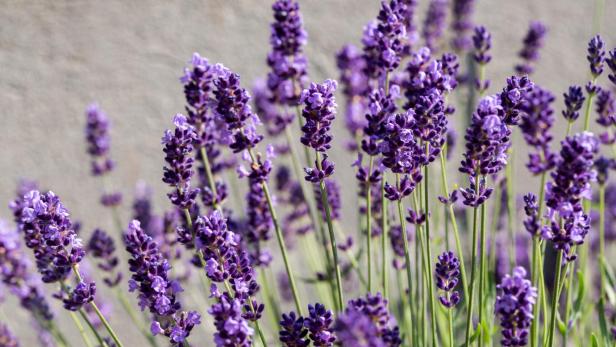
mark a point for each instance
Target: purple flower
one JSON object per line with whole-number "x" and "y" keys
{"x": 82, "y": 294}
{"x": 231, "y": 328}
{"x": 570, "y": 184}
{"x": 233, "y": 109}
{"x": 606, "y": 115}
{"x": 574, "y": 99}
{"x": 603, "y": 166}
{"x": 487, "y": 141}
{"x": 536, "y": 123}
{"x": 353, "y": 328}
{"x": 462, "y": 24}
{"x": 98, "y": 139}
{"x": 102, "y": 246}
{"x": 7, "y": 339}
{"x": 611, "y": 63}
{"x": 375, "y": 307}
{"x": 49, "y": 232}
{"x": 515, "y": 299}
{"x": 178, "y": 148}
{"x": 259, "y": 222}
{"x": 482, "y": 41}
{"x": 293, "y": 333}
{"x": 274, "y": 120}
{"x": 533, "y": 41}
{"x": 319, "y": 324}
{"x": 17, "y": 277}
{"x": 380, "y": 107}
{"x": 447, "y": 271}
{"x": 383, "y": 39}
{"x": 150, "y": 277}
{"x": 434, "y": 23}
{"x": 596, "y": 56}
{"x": 354, "y": 86}
{"x": 532, "y": 224}
{"x": 319, "y": 112}
{"x": 287, "y": 61}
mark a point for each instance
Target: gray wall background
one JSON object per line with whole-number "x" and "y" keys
{"x": 58, "y": 56}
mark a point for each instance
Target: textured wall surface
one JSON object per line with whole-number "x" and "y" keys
{"x": 58, "y": 56}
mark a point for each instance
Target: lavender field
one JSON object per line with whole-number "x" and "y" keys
{"x": 396, "y": 173}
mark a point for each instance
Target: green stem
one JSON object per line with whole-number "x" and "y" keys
{"x": 569, "y": 126}
{"x": 450, "y": 319}
{"x": 407, "y": 258}
{"x": 602, "y": 237}
{"x": 92, "y": 328}
{"x": 210, "y": 176}
{"x": 384, "y": 217}
{"x": 469, "y": 314}
{"x": 555, "y": 297}
{"x": 587, "y": 109}
{"x": 429, "y": 252}
{"x": 257, "y": 327}
{"x": 102, "y": 318}
{"x": 369, "y": 224}
{"x": 482, "y": 268}
{"x": 510, "y": 210}
{"x": 81, "y": 330}
{"x": 456, "y": 233}
{"x": 133, "y": 316}
{"x": 332, "y": 236}
{"x": 536, "y": 269}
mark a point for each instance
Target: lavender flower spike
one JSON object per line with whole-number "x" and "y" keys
{"x": 434, "y": 23}
{"x": 319, "y": 112}
{"x": 462, "y": 23}
{"x": 319, "y": 324}
{"x": 574, "y": 99}
{"x": 515, "y": 299}
{"x": 447, "y": 271}
{"x": 533, "y": 41}
{"x": 150, "y": 277}
{"x": 102, "y": 246}
{"x": 293, "y": 333}
{"x": 596, "y": 56}
{"x": 178, "y": 147}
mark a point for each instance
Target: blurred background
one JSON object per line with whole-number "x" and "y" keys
{"x": 56, "y": 57}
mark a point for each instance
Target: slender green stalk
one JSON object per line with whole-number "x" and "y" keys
{"x": 102, "y": 318}
{"x": 456, "y": 234}
{"x": 587, "y": 109}
{"x": 404, "y": 313}
{"x": 469, "y": 314}
{"x": 450, "y": 320}
{"x": 280, "y": 239}
{"x": 210, "y": 176}
{"x": 429, "y": 252}
{"x": 269, "y": 297}
{"x": 569, "y": 126}
{"x": 555, "y": 297}
{"x": 133, "y": 316}
{"x": 384, "y": 217}
{"x": 57, "y": 334}
{"x": 510, "y": 209}
{"x": 81, "y": 330}
{"x": 536, "y": 269}
{"x": 369, "y": 224}
{"x": 602, "y": 237}
{"x": 407, "y": 257}
{"x": 257, "y": 326}
{"x": 482, "y": 269}
{"x": 569, "y": 275}
{"x": 92, "y": 328}
{"x": 332, "y": 236}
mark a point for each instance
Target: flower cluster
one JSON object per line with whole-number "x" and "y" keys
{"x": 232, "y": 107}
{"x": 533, "y": 41}
{"x": 532, "y": 224}
{"x": 354, "y": 84}
{"x": 15, "y": 274}
{"x": 319, "y": 112}
{"x": 231, "y": 328}
{"x": 178, "y": 147}
{"x": 287, "y": 61}
{"x": 383, "y": 39}
{"x": 434, "y": 23}
{"x": 462, "y": 24}
{"x": 570, "y": 184}
{"x": 298, "y": 331}
{"x": 574, "y": 99}
{"x": 102, "y": 246}
{"x": 157, "y": 292}
{"x": 535, "y": 124}
{"x": 383, "y": 327}
{"x": 515, "y": 299}
{"x": 447, "y": 271}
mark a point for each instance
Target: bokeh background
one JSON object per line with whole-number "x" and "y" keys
{"x": 56, "y": 57}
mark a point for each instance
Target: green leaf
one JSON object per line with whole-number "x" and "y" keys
{"x": 605, "y": 336}
{"x": 593, "y": 340}
{"x": 581, "y": 291}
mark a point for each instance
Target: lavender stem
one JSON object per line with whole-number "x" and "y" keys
{"x": 98, "y": 312}
{"x": 407, "y": 258}
{"x": 555, "y": 298}
{"x": 384, "y": 217}
{"x": 332, "y": 237}
{"x": 429, "y": 252}
{"x": 369, "y": 225}
{"x": 469, "y": 314}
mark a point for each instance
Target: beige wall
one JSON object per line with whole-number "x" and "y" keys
{"x": 57, "y": 56}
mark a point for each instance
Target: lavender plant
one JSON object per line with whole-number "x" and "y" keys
{"x": 400, "y": 96}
